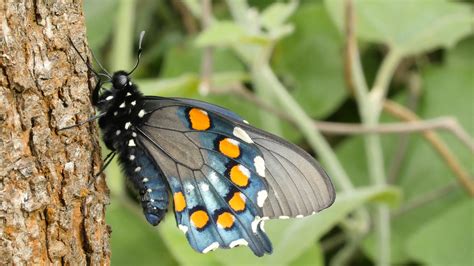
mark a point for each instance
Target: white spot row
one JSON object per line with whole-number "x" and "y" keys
{"x": 183, "y": 228}
{"x": 259, "y": 165}
{"x": 211, "y": 247}
{"x": 109, "y": 98}
{"x": 238, "y": 242}
{"x": 258, "y": 221}
{"x": 241, "y": 134}
{"x": 261, "y": 197}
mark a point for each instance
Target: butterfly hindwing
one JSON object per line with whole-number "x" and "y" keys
{"x": 216, "y": 187}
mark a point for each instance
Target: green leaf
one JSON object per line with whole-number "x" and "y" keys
{"x": 452, "y": 227}
{"x": 221, "y": 33}
{"x": 314, "y": 256}
{"x": 132, "y": 235}
{"x": 410, "y": 27}
{"x": 100, "y": 19}
{"x": 310, "y": 63}
{"x": 275, "y": 15}
{"x": 296, "y": 236}
{"x": 293, "y": 239}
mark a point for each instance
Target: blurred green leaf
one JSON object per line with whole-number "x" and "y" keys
{"x": 314, "y": 256}
{"x": 293, "y": 238}
{"x": 100, "y": 20}
{"x": 309, "y": 62}
{"x": 221, "y": 33}
{"x": 446, "y": 91}
{"x": 455, "y": 228}
{"x": 277, "y": 14}
{"x": 410, "y": 27}
{"x": 133, "y": 241}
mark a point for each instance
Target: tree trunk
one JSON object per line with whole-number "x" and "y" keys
{"x": 48, "y": 212}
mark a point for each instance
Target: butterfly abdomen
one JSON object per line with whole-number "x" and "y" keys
{"x": 124, "y": 114}
{"x": 148, "y": 181}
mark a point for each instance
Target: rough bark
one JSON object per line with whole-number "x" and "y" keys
{"x": 48, "y": 213}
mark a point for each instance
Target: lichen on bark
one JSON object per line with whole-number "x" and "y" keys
{"x": 48, "y": 213}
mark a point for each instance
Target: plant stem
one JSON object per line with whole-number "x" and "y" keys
{"x": 370, "y": 114}
{"x": 122, "y": 54}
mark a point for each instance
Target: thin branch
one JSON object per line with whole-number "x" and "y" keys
{"x": 186, "y": 16}
{"x": 445, "y": 123}
{"x": 453, "y": 163}
{"x": 208, "y": 53}
{"x": 414, "y": 88}
{"x": 425, "y": 199}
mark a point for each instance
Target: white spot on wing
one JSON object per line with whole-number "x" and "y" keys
{"x": 259, "y": 165}
{"x": 211, "y": 247}
{"x": 183, "y": 228}
{"x": 128, "y": 94}
{"x": 118, "y": 132}
{"x": 238, "y": 242}
{"x": 261, "y": 197}
{"x": 122, "y": 105}
{"x": 149, "y": 190}
{"x": 134, "y": 134}
{"x": 109, "y": 98}
{"x": 145, "y": 180}
{"x": 188, "y": 188}
{"x": 138, "y": 169}
{"x": 132, "y": 157}
{"x": 131, "y": 143}
{"x": 241, "y": 134}
{"x": 127, "y": 125}
{"x": 244, "y": 170}
{"x": 141, "y": 113}
{"x": 233, "y": 141}
{"x": 204, "y": 187}
{"x": 255, "y": 223}
{"x": 133, "y": 103}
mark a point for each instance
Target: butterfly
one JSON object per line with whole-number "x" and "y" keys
{"x": 222, "y": 177}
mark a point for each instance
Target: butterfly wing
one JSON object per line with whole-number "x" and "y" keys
{"x": 298, "y": 185}
{"x": 228, "y": 177}
{"x": 217, "y": 189}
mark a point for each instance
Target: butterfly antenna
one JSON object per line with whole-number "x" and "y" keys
{"x": 139, "y": 53}
{"x": 87, "y": 63}
{"x": 100, "y": 65}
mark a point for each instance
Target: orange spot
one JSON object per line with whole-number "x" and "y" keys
{"x": 225, "y": 220}
{"x": 237, "y": 202}
{"x": 199, "y": 219}
{"x": 229, "y": 147}
{"x": 199, "y": 119}
{"x": 179, "y": 201}
{"x": 239, "y": 178}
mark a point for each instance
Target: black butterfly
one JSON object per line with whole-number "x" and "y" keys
{"x": 225, "y": 177}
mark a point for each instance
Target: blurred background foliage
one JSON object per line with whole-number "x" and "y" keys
{"x": 302, "y": 44}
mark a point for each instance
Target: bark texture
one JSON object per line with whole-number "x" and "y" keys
{"x": 48, "y": 213}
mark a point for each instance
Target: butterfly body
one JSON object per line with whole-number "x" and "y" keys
{"x": 223, "y": 176}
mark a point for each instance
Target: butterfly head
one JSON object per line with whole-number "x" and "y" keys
{"x": 120, "y": 80}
